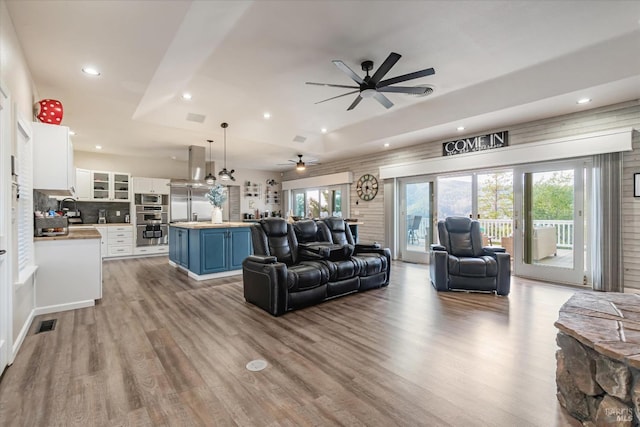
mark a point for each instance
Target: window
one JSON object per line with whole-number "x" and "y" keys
{"x": 25, "y": 200}
{"x": 318, "y": 202}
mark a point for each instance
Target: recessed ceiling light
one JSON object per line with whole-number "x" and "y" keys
{"x": 386, "y": 144}
{"x": 267, "y": 115}
{"x": 460, "y": 128}
{"x": 186, "y": 96}
{"x": 98, "y": 147}
{"x": 323, "y": 130}
{"x": 71, "y": 132}
{"x": 91, "y": 71}
{"x": 173, "y": 157}
{"x": 584, "y": 101}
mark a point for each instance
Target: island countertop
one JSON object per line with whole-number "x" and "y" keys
{"x": 203, "y": 225}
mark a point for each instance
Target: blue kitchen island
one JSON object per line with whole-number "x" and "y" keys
{"x": 207, "y": 251}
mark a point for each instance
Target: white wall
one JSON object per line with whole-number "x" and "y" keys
{"x": 16, "y": 76}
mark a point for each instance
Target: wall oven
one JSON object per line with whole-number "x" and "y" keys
{"x": 153, "y": 213}
{"x": 152, "y": 234}
{"x": 152, "y": 225}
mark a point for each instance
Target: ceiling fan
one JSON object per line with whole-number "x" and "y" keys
{"x": 301, "y": 165}
{"x": 374, "y": 86}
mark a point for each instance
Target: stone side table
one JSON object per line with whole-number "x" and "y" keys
{"x": 598, "y": 364}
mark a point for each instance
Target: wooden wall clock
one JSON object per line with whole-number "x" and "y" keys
{"x": 367, "y": 187}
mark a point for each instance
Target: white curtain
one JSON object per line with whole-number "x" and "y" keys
{"x": 606, "y": 211}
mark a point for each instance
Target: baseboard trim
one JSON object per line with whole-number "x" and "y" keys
{"x": 63, "y": 307}
{"x": 21, "y": 336}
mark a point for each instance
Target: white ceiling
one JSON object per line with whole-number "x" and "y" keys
{"x": 496, "y": 62}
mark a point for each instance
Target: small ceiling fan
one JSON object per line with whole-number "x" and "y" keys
{"x": 374, "y": 86}
{"x": 301, "y": 165}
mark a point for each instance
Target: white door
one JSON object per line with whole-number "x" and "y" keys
{"x": 5, "y": 229}
{"x": 416, "y": 219}
{"x": 549, "y": 222}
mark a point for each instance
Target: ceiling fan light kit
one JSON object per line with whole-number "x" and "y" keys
{"x": 374, "y": 86}
{"x": 224, "y": 174}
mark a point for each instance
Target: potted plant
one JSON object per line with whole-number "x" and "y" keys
{"x": 217, "y": 195}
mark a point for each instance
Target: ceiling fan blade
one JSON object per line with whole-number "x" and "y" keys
{"x": 404, "y": 89}
{"x": 356, "y": 102}
{"x": 345, "y": 69}
{"x": 383, "y": 100}
{"x": 339, "y": 96}
{"x": 332, "y": 85}
{"x": 405, "y": 77}
{"x": 385, "y": 67}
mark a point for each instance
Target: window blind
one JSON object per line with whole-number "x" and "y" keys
{"x": 25, "y": 201}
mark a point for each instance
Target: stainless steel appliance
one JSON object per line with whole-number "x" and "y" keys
{"x": 151, "y": 224}
{"x": 150, "y": 199}
{"x": 152, "y": 234}
{"x": 149, "y": 214}
{"x": 188, "y": 203}
{"x": 102, "y": 216}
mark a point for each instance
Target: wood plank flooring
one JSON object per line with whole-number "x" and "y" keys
{"x": 162, "y": 349}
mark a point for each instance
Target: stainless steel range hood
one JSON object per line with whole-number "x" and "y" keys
{"x": 197, "y": 169}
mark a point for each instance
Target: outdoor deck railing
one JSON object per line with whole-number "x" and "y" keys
{"x": 499, "y": 228}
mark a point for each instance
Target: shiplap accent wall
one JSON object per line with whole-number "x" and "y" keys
{"x": 610, "y": 117}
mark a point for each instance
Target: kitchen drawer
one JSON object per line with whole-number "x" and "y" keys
{"x": 148, "y": 250}
{"x": 117, "y": 240}
{"x": 120, "y": 229}
{"x": 120, "y": 250}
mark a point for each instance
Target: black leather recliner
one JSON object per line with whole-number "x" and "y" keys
{"x": 375, "y": 262}
{"x": 285, "y": 274}
{"x": 461, "y": 263}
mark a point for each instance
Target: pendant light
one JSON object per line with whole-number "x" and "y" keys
{"x": 224, "y": 174}
{"x": 210, "y": 178}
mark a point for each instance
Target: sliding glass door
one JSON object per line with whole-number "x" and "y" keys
{"x": 416, "y": 219}
{"x": 485, "y": 196}
{"x": 549, "y": 237}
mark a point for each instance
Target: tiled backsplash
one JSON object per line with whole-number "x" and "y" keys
{"x": 89, "y": 210}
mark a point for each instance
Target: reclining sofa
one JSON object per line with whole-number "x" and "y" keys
{"x": 308, "y": 262}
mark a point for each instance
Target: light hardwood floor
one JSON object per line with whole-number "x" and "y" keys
{"x": 162, "y": 349}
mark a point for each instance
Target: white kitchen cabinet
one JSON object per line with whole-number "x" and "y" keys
{"x": 120, "y": 240}
{"x": 83, "y": 184}
{"x": 152, "y": 250}
{"x": 69, "y": 274}
{"x": 53, "y": 170}
{"x": 104, "y": 241}
{"x": 142, "y": 185}
{"x": 117, "y": 240}
{"x": 110, "y": 186}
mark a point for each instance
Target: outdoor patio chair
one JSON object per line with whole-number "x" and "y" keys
{"x": 413, "y": 229}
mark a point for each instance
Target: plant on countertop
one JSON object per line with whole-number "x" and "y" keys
{"x": 217, "y": 195}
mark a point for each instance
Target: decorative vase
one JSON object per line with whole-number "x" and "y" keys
{"x": 216, "y": 215}
{"x": 49, "y": 111}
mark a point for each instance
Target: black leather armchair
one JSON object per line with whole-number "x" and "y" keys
{"x": 294, "y": 266}
{"x": 461, "y": 263}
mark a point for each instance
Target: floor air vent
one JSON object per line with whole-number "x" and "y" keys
{"x": 46, "y": 326}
